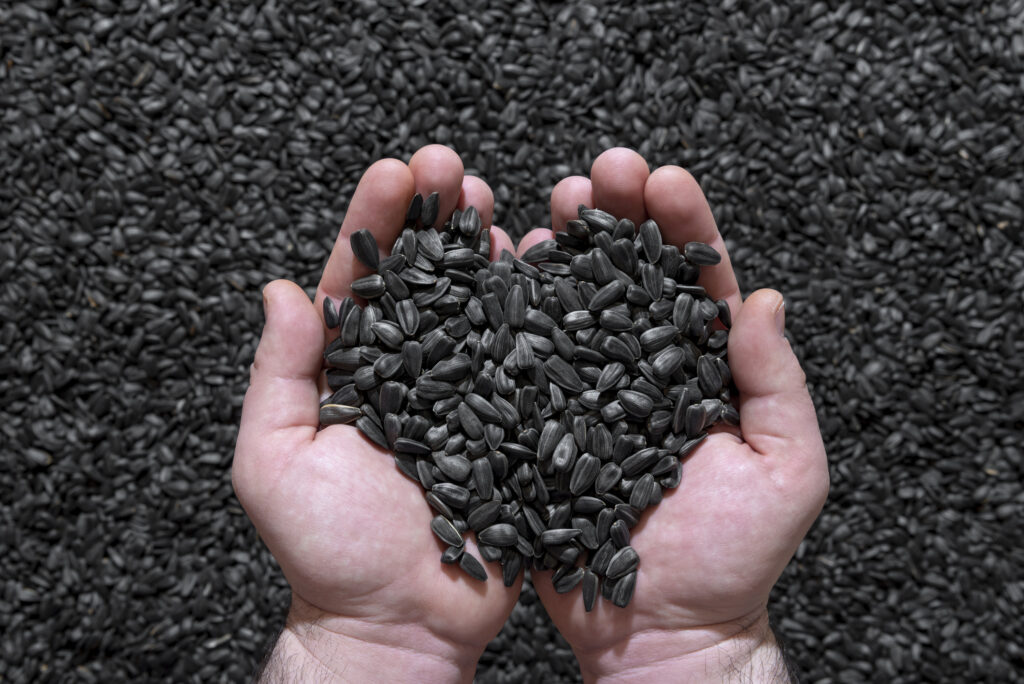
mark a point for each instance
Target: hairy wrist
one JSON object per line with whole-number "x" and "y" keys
{"x": 314, "y": 647}
{"x": 739, "y": 652}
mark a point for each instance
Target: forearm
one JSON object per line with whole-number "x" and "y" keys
{"x": 751, "y": 654}
{"x": 337, "y": 651}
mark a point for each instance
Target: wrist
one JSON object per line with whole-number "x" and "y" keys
{"x": 315, "y": 647}
{"x": 739, "y": 652}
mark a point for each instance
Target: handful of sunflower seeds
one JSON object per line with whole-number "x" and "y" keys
{"x": 542, "y": 402}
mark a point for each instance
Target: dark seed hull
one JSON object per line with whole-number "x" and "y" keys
{"x": 543, "y": 402}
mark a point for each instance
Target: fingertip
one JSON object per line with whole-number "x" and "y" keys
{"x": 500, "y": 241}
{"x": 619, "y": 176}
{"x": 566, "y": 196}
{"x": 477, "y": 193}
{"x": 439, "y": 169}
{"x": 533, "y": 237}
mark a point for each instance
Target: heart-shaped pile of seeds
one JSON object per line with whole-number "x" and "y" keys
{"x": 541, "y": 402}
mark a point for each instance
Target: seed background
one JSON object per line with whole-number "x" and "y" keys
{"x": 161, "y": 162}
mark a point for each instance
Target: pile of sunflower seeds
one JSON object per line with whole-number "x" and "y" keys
{"x": 542, "y": 402}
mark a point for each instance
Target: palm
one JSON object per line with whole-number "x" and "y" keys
{"x": 352, "y": 536}
{"x": 709, "y": 552}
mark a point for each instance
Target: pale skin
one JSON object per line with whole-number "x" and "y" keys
{"x": 372, "y": 602}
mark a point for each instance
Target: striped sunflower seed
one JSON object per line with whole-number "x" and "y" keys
{"x": 501, "y": 534}
{"x": 623, "y": 562}
{"x": 622, "y": 593}
{"x": 364, "y": 247}
{"x": 650, "y": 240}
{"x": 701, "y": 254}
{"x": 568, "y": 581}
{"x": 472, "y": 566}
{"x": 429, "y": 210}
{"x": 590, "y": 585}
{"x": 338, "y": 414}
{"x": 446, "y": 532}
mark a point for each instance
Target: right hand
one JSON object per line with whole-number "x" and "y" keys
{"x": 712, "y": 549}
{"x": 370, "y": 597}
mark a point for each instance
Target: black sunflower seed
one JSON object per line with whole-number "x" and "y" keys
{"x": 623, "y": 562}
{"x": 590, "y": 585}
{"x": 446, "y": 532}
{"x": 559, "y": 536}
{"x": 429, "y": 210}
{"x": 364, "y": 247}
{"x": 607, "y": 478}
{"x": 701, "y": 254}
{"x": 451, "y": 555}
{"x": 472, "y": 566}
{"x": 501, "y": 534}
{"x": 369, "y": 287}
{"x": 337, "y": 414}
{"x": 584, "y": 473}
{"x": 568, "y": 581}
{"x": 452, "y": 494}
{"x": 650, "y": 240}
{"x": 623, "y": 590}
{"x": 606, "y": 296}
{"x": 636, "y": 404}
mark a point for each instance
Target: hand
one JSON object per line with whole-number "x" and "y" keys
{"x": 370, "y": 596}
{"x": 711, "y": 551}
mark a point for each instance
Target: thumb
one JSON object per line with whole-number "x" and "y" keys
{"x": 776, "y": 412}
{"x": 282, "y": 402}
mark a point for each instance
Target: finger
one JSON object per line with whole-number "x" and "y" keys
{"x": 566, "y": 197}
{"x": 379, "y": 205}
{"x": 533, "y": 237}
{"x": 439, "y": 169}
{"x": 282, "y": 400}
{"x": 477, "y": 193}
{"x": 675, "y": 201}
{"x": 500, "y": 241}
{"x": 776, "y": 412}
{"x": 618, "y": 176}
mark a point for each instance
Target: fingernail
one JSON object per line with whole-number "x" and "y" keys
{"x": 780, "y": 316}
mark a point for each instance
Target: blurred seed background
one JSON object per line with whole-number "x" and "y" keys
{"x": 161, "y": 161}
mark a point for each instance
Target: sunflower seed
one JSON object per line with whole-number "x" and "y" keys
{"x": 364, "y": 247}
{"x": 485, "y": 514}
{"x": 472, "y": 566}
{"x": 623, "y": 591}
{"x": 650, "y": 240}
{"x": 607, "y": 478}
{"x": 584, "y": 473}
{"x": 636, "y": 404}
{"x": 452, "y": 554}
{"x": 606, "y": 296}
{"x": 701, "y": 254}
{"x": 590, "y": 584}
{"x": 372, "y": 431}
{"x": 337, "y": 414}
{"x": 510, "y": 568}
{"x": 330, "y": 314}
{"x": 369, "y": 287}
{"x": 539, "y": 252}
{"x": 429, "y": 210}
{"x": 623, "y": 562}
{"x": 598, "y": 220}
{"x": 446, "y": 532}
{"x": 452, "y": 494}
{"x": 569, "y": 581}
{"x": 642, "y": 492}
{"x": 564, "y": 455}
{"x": 500, "y": 534}
{"x": 559, "y": 536}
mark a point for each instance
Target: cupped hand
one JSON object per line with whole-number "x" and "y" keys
{"x": 350, "y": 532}
{"x": 712, "y": 549}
